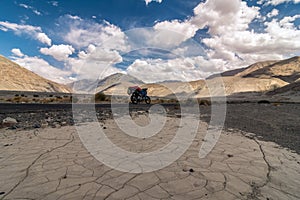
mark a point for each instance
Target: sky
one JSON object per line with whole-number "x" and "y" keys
{"x": 153, "y": 40}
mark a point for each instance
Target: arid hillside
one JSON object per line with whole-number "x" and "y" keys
{"x": 287, "y": 70}
{"x": 16, "y": 78}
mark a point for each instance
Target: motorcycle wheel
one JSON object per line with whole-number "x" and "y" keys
{"x": 134, "y": 100}
{"x": 147, "y": 100}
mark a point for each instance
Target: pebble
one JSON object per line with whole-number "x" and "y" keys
{"x": 37, "y": 125}
{"x": 44, "y": 125}
{"x": 9, "y": 121}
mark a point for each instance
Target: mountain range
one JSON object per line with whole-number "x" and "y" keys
{"x": 262, "y": 77}
{"x": 273, "y": 78}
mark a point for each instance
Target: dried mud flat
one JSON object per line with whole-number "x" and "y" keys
{"x": 52, "y": 163}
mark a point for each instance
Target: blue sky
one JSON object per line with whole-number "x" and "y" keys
{"x": 153, "y": 40}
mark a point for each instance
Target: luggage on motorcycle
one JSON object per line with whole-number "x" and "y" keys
{"x": 131, "y": 90}
{"x": 144, "y": 92}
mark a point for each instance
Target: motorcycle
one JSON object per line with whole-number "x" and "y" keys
{"x": 140, "y": 96}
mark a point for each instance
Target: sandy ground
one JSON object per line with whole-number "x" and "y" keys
{"x": 52, "y": 163}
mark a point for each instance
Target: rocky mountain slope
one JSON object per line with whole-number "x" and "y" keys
{"x": 233, "y": 85}
{"x": 117, "y": 84}
{"x": 240, "y": 72}
{"x": 113, "y": 84}
{"x": 262, "y": 77}
{"x": 17, "y": 78}
{"x": 287, "y": 70}
{"x": 292, "y": 88}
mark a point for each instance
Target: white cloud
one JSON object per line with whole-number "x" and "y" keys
{"x": 19, "y": 28}
{"x": 87, "y": 69}
{"x": 81, "y": 33}
{"x": 30, "y": 8}
{"x": 287, "y": 22}
{"x": 43, "y": 68}
{"x": 94, "y": 62}
{"x": 33, "y": 31}
{"x": 234, "y": 43}
{"x": 149, "y": 1}
{"x": 24, "y": 5}
{"x": 59, "y": 52}
{"x": 164, "y": 32}
{"x": 3, "y": 29}
{"x": 165, "y": 35}
{"x": 42, "y": 37}
{"x": 276, "y": 2}
{"x": 17, "y": 52}
{"x": 273, "y": 13}
{"x": 184, "y": 69}
{"x": 224, "y": 16}
{"x": 74, "y": 17}
{"x": 100, "y": 54}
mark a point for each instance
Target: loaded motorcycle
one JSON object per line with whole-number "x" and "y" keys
{"x": 138, "y": 95}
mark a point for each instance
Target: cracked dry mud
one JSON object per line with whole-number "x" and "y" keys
{"x": 52, "y": 163}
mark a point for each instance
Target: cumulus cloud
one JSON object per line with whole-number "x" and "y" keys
{"x": 81, "y": 33}
{"x": 149, "y": 1}
{"x": 17, "y": 52}
{"x": 100, "y": 54}
{"x": 273, "y": 13}
{"x": 224, "y": 16}
{"x": 288, "y": 22}
{"x": 33, "y": 31}
{"x": 42, "y": 37}
{"x": 183, "y": 69}
{"x": 88, "y": 69}
{"x": 183, "y": 31}
{"x": 233, "y": 42}
{"x": 59, "y": 52}
{"x": 166, "y": 35}
{"x": 94, "y": 62}
{"x": 43, "y": 68}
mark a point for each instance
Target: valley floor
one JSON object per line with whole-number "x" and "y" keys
{"x": 53, "y": 163}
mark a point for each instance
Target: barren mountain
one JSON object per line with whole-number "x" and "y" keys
{"x": 259, "y": 77}
{"x": 233, "y": 85}
{"x": 287, "y": 70}
{"x": 255, "y": 67}
{"x": 244, "y": 71}
{"x": 170, "y": 88}
{"x": 15, "y": 77}
{"x": 290, "y": 89}
{"x": 117, "y": 84}
{"x": 218, "y": 86}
